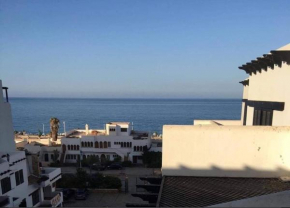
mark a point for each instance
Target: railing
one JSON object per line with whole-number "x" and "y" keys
{"x": 6, "y": 93}
{"x": 53, "y": 199}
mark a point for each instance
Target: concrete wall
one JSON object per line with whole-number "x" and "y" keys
{"x": 226, "y": 151}
{"x": 6, "y": 128}
{"x": 271, "y": 85}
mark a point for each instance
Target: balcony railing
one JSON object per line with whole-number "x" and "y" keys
{"x": 52, "y": 200}
{"x": 6, "y": 93}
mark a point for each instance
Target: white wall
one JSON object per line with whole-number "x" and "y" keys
{"x": 271, "y": 85}
{"x": 6, "y": 128}
{"x": 226, "y": 151}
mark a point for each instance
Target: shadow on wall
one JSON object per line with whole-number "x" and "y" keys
{"x": 214, "y": 171}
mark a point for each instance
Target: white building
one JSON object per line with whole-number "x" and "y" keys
{"x": 235, "y": 163}
{"x": 23, "y": 182}
{"x": 117, "y": 139}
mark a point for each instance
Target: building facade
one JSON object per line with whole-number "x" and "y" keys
{"x": 118, "y": 139}
{"x": 235, "y": 163}
{"x": 23, "y": 182}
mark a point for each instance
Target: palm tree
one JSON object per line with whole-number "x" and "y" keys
{"x": 54, "y": 126}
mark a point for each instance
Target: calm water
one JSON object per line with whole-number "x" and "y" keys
{"x": 147, "y": 114}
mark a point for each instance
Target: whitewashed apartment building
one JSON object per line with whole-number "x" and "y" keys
{"x": 118, "y": 139}
{"x": 22, "y": 181}
{"x": 238, "y": 163}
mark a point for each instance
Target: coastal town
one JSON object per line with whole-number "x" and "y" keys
{"x": 230, "y": 163}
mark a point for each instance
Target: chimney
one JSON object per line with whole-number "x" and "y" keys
{"x": 87, "y": 129}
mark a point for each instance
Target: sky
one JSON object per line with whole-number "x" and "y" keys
{"x": 134, "y": 48}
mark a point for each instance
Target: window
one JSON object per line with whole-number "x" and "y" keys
{"x": 108, "y": 157}
{"x": 19, "y": 177}
{"x": 128, "y": 144}
{"x": 123, "y": 129}
{"x": 125, "y": 144}
{"x": 78, "y": 147}
{"x": 159, "y": 144}
{"x": 135, "y": 149}
{"x": 105, "y": 145}
{"x": 109, "y": 144}
{"x": 96, "y": 144}
{"x": 75, "y": 157}
{"x": 263, "y": 117}
{"x": 35, "y": 197}
{"x": 101, "y": 144}
{"x": 112, "y": 129}
{"x": 5, "y": 185}
{"x": 82, "y": 144}
{"x": 122, "y": 144}
{"x": 46, "y": 157}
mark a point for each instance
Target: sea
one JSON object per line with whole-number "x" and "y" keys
{"x": 32, "y": 114}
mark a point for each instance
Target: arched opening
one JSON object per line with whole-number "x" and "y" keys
{"x": 141, "y": 148}
{"x": 125, "y": 144}
{"x": 75, "y": 147}
{"x": 105, "y": 145}
{"x": 122, "y": 144}
{"x": 92, "y": 144}
{"x": 98, "y": 158}
{"x": 68, "y": 147}
{"x": 135, "y": 149}
{"x": 103, "y": 158}
{"x": 101, "y": 144}
{"x": 138, "y": 148}
{"x": 86, "y": 144}
{"x": 128, "y": 145}
{"x": 96, "y": 144}
{"x": 145, "y": 148}
{"x": 78, "y": 147}
{"x": 82, "y": 144}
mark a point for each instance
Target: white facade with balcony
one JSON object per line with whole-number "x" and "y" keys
{"x": 22, "y": 181}
{"x": 118, "y": 139}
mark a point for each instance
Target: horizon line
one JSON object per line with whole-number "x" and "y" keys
{"x": 119, "y": 98}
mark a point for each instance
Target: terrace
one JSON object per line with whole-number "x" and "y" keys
{"x": 80, "y": 133}
{"x": 139, "y": 135}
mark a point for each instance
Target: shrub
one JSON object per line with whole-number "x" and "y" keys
{"x": 152, "y": 159}
{"x": 127, "y": 164}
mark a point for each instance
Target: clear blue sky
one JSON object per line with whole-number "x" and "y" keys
{"x": 134, "y": 48}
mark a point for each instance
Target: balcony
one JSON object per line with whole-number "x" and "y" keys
{"x": 53, "y": 199}
{"x": 49, "y": 175}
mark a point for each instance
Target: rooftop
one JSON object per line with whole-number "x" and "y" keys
{"x": 79, "y": 133}
{"x": 186, "y": 191}
{"x": 121, "y": 122}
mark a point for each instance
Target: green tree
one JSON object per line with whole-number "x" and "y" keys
{"x": 90, "y": 161}
{"x": 81, "y": 178}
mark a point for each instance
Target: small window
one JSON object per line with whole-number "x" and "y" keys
{"x": 108, "y": 157}
{"x": 112, "y": 129}
{"x": 19, "y": 177}
{"x": 159, "y": 144}
{"x": 46, "y": 157}
{"x": 5, "y": 185}
{"x": 124, "y": 129}
{"x": 52, "y": 156}
{"x": 109, "y": 144}
{"x": 263, "y": 117}
{"x": 35, "y": 197}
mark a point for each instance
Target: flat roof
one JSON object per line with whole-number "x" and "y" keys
{"x": 187, "y": 191}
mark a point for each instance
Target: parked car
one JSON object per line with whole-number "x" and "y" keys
{"x": 81, "y": 194}
{"x": 67, "y": 193}
{"x": 98, "y": 166}
{"x": 115, "y": 166}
